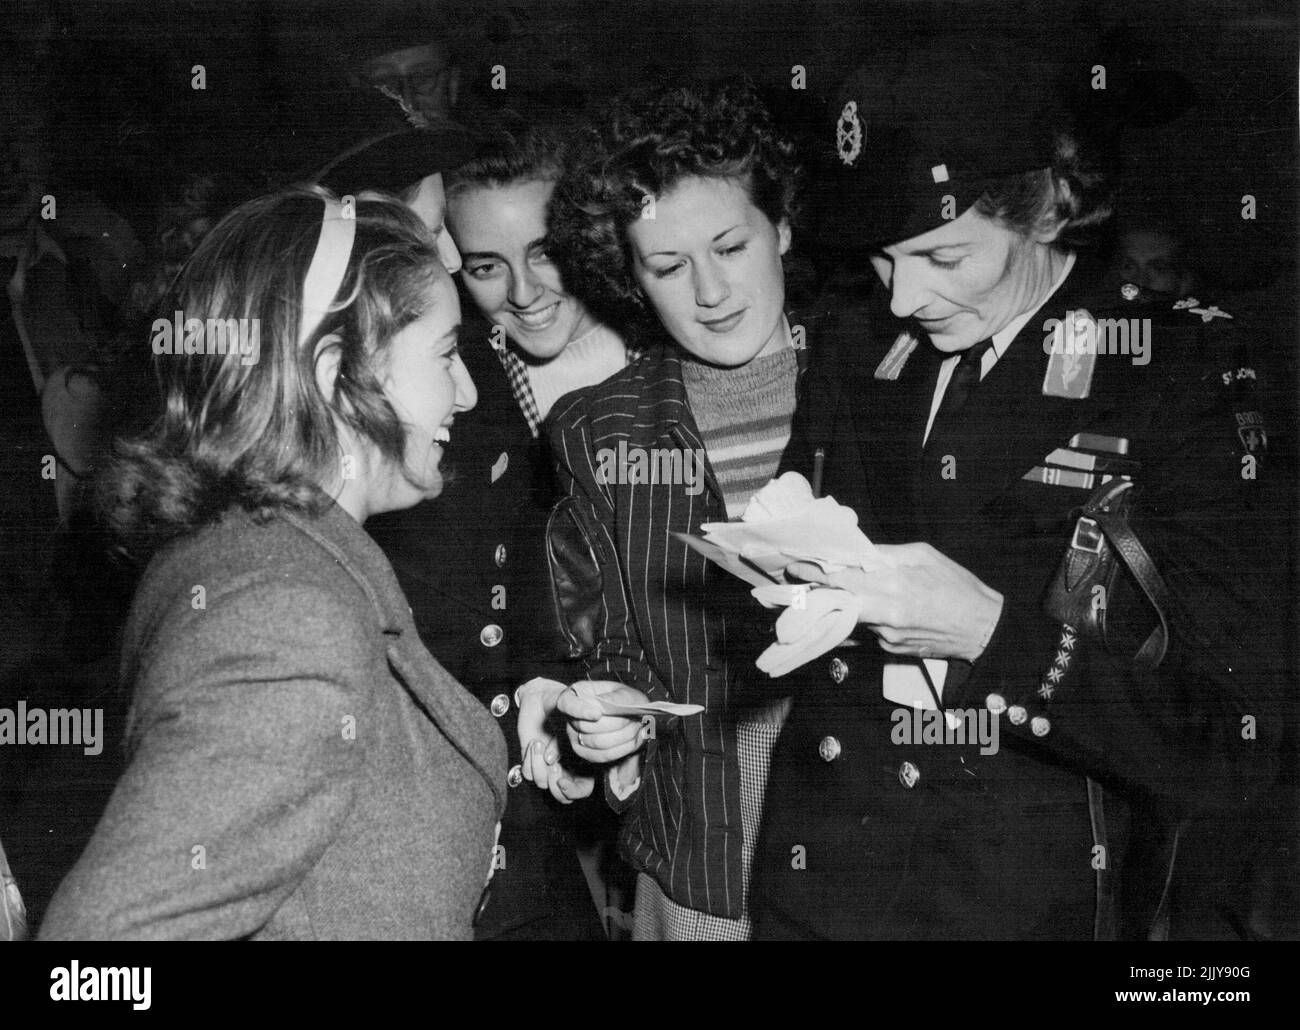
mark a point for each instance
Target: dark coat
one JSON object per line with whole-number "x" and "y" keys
{"x": 472, "y": 564}
{"x": 885, "y": 840}
{"x": 299, "y": 765}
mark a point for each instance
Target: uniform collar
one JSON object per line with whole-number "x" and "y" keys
{"x": 1002, "y": 339}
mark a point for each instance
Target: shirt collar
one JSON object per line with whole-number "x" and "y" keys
{"x": 1002, "y": 339}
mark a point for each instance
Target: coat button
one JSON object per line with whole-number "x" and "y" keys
{"x": 500, "y": 705}
{"x": 515, "y": 776}
{"x": 500, "y": 556}
{"x": 491, "y": 635}
{"x": 839, "y": 669}
{"x": 829, "y": 749}
{"x": 1041, "y": 725}
{"x": 1017, "y": 715}
{"x": 908, "y": 774}
{"x": 996, "y": 703}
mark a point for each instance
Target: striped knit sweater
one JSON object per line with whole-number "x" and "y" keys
{"x": 744, "y": 417}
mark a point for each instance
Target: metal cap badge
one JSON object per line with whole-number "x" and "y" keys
{"x": 916, "y": 143}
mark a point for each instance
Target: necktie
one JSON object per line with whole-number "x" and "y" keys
{"x": 964, "y": 378}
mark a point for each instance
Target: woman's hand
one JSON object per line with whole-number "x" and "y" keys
{"x": 542, "y": 765}
{"x": 925, "y": 606}
{"x": 595, "y": 736}
{"x": 541, "y": 751}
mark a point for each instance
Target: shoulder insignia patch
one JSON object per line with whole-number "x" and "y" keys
{"x": 1073, "y": 356}
{"x": 1193, "y": 306}
{"x": 1251, "y": 430}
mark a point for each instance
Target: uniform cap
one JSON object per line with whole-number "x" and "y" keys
{"x": 915, "y": 141}
{"x": 350, "y": 139}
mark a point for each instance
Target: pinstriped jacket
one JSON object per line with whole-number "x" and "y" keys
{"x": 675, "y": 626}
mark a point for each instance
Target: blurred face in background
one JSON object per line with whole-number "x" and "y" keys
{"x": 423, "y": 78}
{"x": 709, "y": 263}
{"x": 501, "y": 233}
{"x": 1153, "y": 259}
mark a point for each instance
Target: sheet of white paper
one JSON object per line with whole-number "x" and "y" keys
{"x": 729, "y": 560}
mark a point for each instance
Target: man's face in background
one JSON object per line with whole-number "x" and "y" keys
{"x": 1154, "y": 260}
{"x": 423, "y": 78}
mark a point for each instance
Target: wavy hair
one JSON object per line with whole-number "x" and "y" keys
{"x": 647, "y": 142}
{"x": 1075, "y": 190}
{"x": 261, "y": 435}
{"x": 511, "y": 155}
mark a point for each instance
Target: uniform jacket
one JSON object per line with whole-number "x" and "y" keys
{"x": 472, "y": 565}
{"x": 904, "y": 839}
{"x": 672, "y": 626}
{"x": 299, "y": 766}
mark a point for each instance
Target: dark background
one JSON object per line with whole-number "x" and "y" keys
{"x": 113, "y": 80}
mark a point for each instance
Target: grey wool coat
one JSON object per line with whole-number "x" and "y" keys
{"x": 300, "y": 767}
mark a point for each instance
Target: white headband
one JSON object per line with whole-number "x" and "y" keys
{"x": 328, "y": 266}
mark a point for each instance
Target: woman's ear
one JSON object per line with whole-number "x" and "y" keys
{"x": 783, "y": 235}
{"x": 328, "y": 356}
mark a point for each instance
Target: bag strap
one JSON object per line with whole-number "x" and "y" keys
{"x": 1105, "y": 510}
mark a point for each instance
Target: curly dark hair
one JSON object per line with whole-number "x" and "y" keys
{"x": 645, "y": 143}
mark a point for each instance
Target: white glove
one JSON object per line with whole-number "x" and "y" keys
{"x": 812, "y": 624}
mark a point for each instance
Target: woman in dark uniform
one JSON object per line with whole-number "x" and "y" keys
{"x": 966, "y": 429}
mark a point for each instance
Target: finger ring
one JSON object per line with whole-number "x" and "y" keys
{"x": 580, "y": 743}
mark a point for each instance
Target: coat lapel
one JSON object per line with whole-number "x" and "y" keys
{"x": 1006, "y": 428}
{"x": 890, "y": 424}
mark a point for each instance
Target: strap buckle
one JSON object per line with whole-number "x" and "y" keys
{"x": 1087, "y": 535}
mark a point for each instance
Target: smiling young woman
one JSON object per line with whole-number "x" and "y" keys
{"x": 498, "y": 205}
{"x": 286, "y": 723}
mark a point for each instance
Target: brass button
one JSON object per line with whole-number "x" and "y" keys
{"x": 1017, "y": 715}
{"x": 491, "y": 635}
{"x": 500, "y": 556}
{"x": 829, "y": 749}
{"x": 908, "y": 774}
{"x": 1041, "y": 725}
{"x": 500, "y": 705}
{"x": 996, "y": 703}
{"x": 515, "y": 776}
{"x": 839, "y": 669}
